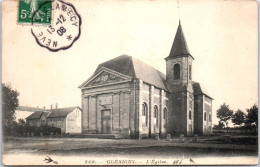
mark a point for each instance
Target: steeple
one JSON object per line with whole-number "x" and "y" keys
{"x": 179, "y": 64}
{"x": 179, "y": 47}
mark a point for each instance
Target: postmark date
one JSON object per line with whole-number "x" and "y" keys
{"x": 64, "y": 30}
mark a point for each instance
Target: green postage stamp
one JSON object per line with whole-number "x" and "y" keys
{"x": 35, "y": 12}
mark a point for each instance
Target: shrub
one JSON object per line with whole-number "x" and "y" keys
{"x": 44, "y": 129}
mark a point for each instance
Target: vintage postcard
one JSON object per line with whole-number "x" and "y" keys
{"x": 133, "y": 82}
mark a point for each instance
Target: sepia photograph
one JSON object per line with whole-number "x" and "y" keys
{"x": 133, "y": 82}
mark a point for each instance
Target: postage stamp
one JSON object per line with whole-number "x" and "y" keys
{"x": 64, "y": 29}
{"x": 34, "y": 12}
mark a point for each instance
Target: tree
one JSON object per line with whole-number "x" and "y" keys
{"x": 238, "y": 118}
{"x": 224, "y": 114}
{"x": 219, "y": 126}
{"x": 9, "y": 103}
{"x": 21, "y": 122}
{"x": 252, "y": 115}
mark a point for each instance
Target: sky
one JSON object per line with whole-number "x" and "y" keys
{"x": 221, "y": 36}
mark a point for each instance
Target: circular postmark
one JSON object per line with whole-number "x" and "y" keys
{"x": 64, "y": 29}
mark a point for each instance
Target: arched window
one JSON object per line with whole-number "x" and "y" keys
{"x": 164, "y": 113}
{"x": 156, "y": 115}
{"x": 144, "y": 112}
{"x": 144, "y": 109}
{"x": 205, "y": 116}
{"x": 176, "y": 70}
{"x": 190, "y": 114}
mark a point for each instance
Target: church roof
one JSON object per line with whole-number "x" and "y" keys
{"x": 200, "y": 90}
{"x": 179, "y": 46}
{"x": 135, "y": 68}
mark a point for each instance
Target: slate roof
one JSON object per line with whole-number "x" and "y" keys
{"x": 61, "y": 112}
{"x": 200, "y": 90}
{"x": 135, "y": 68}
{"x": 25, "y": 108}
{"x": 179, "y": 46}
{"x": 46, "y": 113}
{"x": 35, "y": 115}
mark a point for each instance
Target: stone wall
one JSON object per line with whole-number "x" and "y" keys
{"x": 208, "y": 110}
{"x": 125, "y": 101}
{"x": 116, "y": 98}
{"x": 73, "y": 122}
{"x": 203, "y": 115}
{"x": 59, "y": 122}
{"x": 198, "y": 114}
{"x": 153, "y": 96}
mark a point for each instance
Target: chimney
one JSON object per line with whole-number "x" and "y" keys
{"x": 37, "y": 106}
{"x": 51, "y": 106}
{"x": 44, "y": 107}
{"x": 56, "y": 105}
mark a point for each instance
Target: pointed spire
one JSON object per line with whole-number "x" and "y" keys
{"x": 179, "y": 46}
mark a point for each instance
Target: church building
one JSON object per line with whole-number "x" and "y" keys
{"x": 129, "y": 98}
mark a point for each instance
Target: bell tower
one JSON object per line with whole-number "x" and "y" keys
{"x": 179, "y": 82}
{"x": 179, "y": 63}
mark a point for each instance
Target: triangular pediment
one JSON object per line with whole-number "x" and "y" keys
{"x": 105, "y": 77}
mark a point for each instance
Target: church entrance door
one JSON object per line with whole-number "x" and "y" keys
{"x": 106, "y": 121}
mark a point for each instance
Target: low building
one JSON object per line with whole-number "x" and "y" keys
{"x": 68, "y": 119}
{"x": 38, "y": 118}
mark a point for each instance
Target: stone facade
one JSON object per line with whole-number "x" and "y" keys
{"x": 124, "y": 103}
{"x": 130, "y": 98}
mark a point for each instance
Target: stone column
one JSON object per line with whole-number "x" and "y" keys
{"x": 151, "y": 90}
{"x": 89, "y": 99}
{"x": 96, "y": 113}
{"x": 139, "y": 103}
{"x": 161, "y": 111}
{"x": 85, "y": 114}
{"x": 92, "y": 112}
{"x": 119, "y": 112}
{"x": 82, "y": 106}
{"x": 116, "y": 111}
